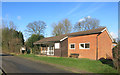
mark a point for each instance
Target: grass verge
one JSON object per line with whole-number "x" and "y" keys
{"x": 81, "y": 64}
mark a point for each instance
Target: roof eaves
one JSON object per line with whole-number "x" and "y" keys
{"x": 64, "y": 38}
{"x": 108, "y": 33}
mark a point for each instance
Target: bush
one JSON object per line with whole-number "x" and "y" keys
{"x": 107, "y": 61}
{"x": 28, "y": 51}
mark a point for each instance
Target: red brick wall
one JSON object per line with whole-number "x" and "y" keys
{"x": 104, "y": 45}
{"x": 83, "y": 53}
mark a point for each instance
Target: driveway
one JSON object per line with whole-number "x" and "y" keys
{"x": 13, "y": 64}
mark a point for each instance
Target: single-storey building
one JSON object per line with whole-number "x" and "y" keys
{"x": 93, "y": 44}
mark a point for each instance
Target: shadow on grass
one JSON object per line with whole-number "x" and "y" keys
{"x": 107, "y": 61}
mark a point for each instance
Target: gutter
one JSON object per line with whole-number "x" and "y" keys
{"x": 97, "y": 46}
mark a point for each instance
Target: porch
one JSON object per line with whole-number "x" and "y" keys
{"x": 50, "y": 48}
{"x": 46, "y": 48}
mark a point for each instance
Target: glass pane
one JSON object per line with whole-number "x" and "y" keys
{"x": 72, "y": 46}
{"x": 87, "y": 45}
{"x": 57, "y": 45}
{"x": 52, "y": 53}
{"x": 49, "y": 48}
{"x": 81, "y": 45}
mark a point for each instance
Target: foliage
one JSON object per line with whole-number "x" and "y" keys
{"x": 119, "y": 55}
{"x": 81, "y": 64}
{"x": 86, "y": 23}
{"x": 12, "y": 39}
{"x": 107, "y": 61}
{"x": 32, "y": 39}
{"x": 36, "y": 27}
{"x": 63, "y": 27}
{"x": 116, "y": 56}
{"x": 36, "y": 49}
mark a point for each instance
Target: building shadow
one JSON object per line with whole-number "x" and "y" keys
{"x": 6, "y": 55}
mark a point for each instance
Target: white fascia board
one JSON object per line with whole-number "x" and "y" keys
{"x": 103, "y": 30}
{"x": 64, "y": 38}
{"x": 108, "y": 33}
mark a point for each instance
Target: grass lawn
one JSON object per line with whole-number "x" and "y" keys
{"x": 81, "y": 64}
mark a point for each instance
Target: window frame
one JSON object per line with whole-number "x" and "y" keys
{"x": 58, "y": 45}
{"x": 70, "y": 46}
{"x": 84, "y": 45}
{"x": 80, "y": 45}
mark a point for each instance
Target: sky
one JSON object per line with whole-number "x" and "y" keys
{"x": 23, "y": 13}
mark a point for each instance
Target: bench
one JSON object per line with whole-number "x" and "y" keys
{"x": 74, "y": 55}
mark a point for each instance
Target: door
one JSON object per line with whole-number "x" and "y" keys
{"x": 50, "y": 50}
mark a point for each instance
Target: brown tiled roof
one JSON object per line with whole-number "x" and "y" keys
{"x": 58, "y": 38}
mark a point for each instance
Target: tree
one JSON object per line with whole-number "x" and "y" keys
{"x": 32, "y": 39}
{"x": 37, "y": 27}
{"x": 11, "y": 25}
{"x": 86, "y": 23}
{"x": 20, "y": 36}
{"x": 12, "y": 39}
{"x": 58, "y": 29}
{"x": 63, "y": 27}
{"x": 119, "y": 55}
{"x": 67, "y": 26}
{"x": 116, "y": 56}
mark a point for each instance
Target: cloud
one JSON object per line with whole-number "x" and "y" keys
{"x": 83, "y": 19}
{"x": 19, "y": 17}
{"x": 89, "y": 17}
{"x": 73, "y": 10}
{"x": 88, "y": 11}
{"x": 114, "y": 35}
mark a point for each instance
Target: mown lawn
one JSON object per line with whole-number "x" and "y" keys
{"x": 81, "y": 64}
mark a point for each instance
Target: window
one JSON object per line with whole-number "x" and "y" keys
{"x": 72, "y": 46}
{"x": 57, "y": 45}
{"x": 84, "y": 45}
{"x": 51, "y": 48}
{"x": 87, "y": 45}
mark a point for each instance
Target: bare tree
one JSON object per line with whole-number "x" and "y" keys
{"x": 58, "y": 29}
{"x": 4, "y": 24}
{"x": 12, "y": 25}
{"x": 87, "y": 23}
{"x": 37, "y": 27}
{"x": 63, "y": 27}
{"x": 67, "y": 26}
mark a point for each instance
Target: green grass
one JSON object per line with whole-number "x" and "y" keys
{"x": 81, "y": 64}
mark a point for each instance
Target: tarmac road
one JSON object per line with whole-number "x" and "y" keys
{"x": 14, "y": 64}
